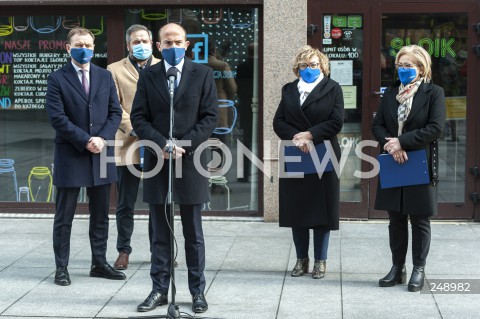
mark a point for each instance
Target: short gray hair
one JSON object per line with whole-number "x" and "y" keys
{"x": 135, "y": 28}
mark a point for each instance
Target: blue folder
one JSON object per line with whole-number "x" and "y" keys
{"x": 306, "y": 164}
{"x": 412, "y": 172}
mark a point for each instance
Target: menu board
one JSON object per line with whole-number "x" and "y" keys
{"x": 33, "y": 47}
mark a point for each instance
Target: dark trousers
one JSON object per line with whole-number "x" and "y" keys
{"x": 194, "y": 247}
{"x": 66, "y": 203}
{"x": 398, "y": 234}
{"x": 301, "y": 239}
{"x": 127, "y": 187}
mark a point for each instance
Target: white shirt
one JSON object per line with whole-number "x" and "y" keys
{"x": 305, "y": 88}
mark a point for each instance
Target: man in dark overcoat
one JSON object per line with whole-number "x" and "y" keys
{"x": 83, "y": 108}
{"x": 195, "y": 118}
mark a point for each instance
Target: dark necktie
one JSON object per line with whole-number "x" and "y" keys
{"x": 84, "y": 81}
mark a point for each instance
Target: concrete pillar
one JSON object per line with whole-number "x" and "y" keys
{"x": 285, "y": 31}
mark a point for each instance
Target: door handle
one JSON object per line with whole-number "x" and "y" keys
{"x": 382, "y": 90}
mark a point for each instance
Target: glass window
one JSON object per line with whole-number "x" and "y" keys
{"x": 30, "y": 49}
{"x": 224, "y": 39}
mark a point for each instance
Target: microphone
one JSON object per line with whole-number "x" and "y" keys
{"x": 172, "y": 77}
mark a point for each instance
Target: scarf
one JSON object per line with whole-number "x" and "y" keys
{"x": 405, "y": 98}
{"x": 305, "y": 88}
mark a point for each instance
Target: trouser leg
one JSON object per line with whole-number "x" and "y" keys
{"x": 194, "y": 246}
{"x": 65, "y": 205}
{"x": 398, "y": 235}
{"x": 98, "y": 204}
{"x": 160, "y": 248}
{"x": 321, "y": 238}
{"x": 421, "y": 235}
{"x": 127, "y": 186}
{"x": 301, "y": 238}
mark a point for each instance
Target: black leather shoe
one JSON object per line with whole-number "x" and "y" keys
{"x": 397, "y": 275}
{"x": 199, "y": 303}
{"x": 417, "y": 279}
{"x": 153, "y": 300}
{"x": 106, "y": 271}
{"x": 62, "y": 278}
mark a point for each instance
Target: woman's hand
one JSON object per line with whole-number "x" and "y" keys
{"x": 400, "y": 156}
{"x": 303, "y": 140}
{"x": 392, "y": 145}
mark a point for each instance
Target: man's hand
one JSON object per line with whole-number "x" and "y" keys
{"x": 96, "y": 144}
{"x": 177, "y": 152}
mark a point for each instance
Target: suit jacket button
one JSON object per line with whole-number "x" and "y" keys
{"x": 91, "y": 124}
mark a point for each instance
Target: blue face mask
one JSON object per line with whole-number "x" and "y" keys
{"x": 142, "y": 51}
{"x": 81, "y": 55}
{"x": 407, "y": 75}
{"x": 310, "y": 75}
{"x": 173, "y": 56}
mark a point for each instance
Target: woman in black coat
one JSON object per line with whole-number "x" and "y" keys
{"x": 411, "y": 117}
{"x": 310, "y": 112}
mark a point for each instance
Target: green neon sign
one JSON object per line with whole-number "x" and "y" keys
{"x": 438, "y": 47}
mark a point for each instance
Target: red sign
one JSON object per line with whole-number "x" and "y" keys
{"x": 336, "y": 33}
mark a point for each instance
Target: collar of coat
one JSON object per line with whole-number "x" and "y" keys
{"x": 419, "y": 100}
{"x": 322, "y": 88}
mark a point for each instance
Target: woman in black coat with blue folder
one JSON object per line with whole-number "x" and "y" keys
{"x": 310, "y": 112}
{"x": 411, "y": 117}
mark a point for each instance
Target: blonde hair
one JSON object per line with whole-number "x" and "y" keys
{"x": 420, "y": 57}
{"x": 304, "y": 54}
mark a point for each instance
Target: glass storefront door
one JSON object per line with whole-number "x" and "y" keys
{"x": 444, "y": 36}
{"x": 445, "y": 31}
{"x": 343, "y": 41}
{"x": 380, "y": 30}
{"x": 343, "y": 32}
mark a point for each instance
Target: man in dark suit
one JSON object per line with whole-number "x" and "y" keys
{"x": 83, "y": 108}
{"x": 195, "y": 118}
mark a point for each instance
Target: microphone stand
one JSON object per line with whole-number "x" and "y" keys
{"x": 173, "y": 310}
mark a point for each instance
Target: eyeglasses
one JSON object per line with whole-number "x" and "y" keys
{"x": 313, "y": 65}
{"x": 405, "y": 66}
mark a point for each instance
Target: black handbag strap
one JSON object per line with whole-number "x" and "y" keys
{"x": 434, "y": 162}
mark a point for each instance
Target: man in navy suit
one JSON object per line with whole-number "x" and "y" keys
{"x": 83, "y": 108}
{"x": 195, "y": 118}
